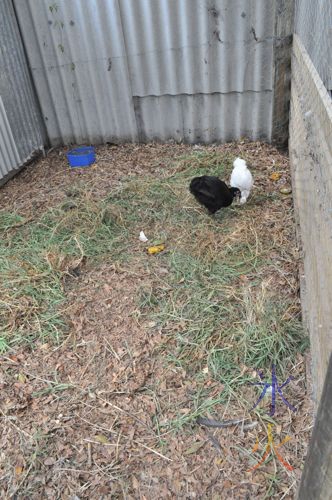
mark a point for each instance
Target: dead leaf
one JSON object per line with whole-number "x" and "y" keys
{"x": 22, "y": 378}
{"x": 102, "y": 439}
{"x": 194, "y": 448}
{"x": 256, "y": 446}
{"x": 135, "y": 483}
{"x": 49, "y": 461}
{"x": 163, "y": 270}
{"x": 18, "y": 470}
{"x": 285, "y": 190}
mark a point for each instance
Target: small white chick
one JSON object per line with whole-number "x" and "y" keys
{"x": 241, "y": 178}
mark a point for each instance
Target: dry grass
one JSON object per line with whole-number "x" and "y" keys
{"x": 110, "y": 355}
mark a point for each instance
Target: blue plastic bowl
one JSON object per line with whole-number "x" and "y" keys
{"x": 82, "y": 156}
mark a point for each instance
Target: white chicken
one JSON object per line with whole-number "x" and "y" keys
{"x": 241, "y": 178}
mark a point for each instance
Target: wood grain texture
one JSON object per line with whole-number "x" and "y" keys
{"x": 311, "y": 163}
{"x": 316, "y": 483}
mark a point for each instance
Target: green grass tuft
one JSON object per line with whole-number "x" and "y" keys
{"x": 33, "y": 257}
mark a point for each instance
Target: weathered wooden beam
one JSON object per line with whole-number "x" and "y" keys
{"x": 310, "y": 151}
{"x": 316, "y": 482}
{"x": 284, "y": 22}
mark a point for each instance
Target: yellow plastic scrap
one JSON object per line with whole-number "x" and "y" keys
{"x": 275, "y": 176}
{"x": 156, "y": 249}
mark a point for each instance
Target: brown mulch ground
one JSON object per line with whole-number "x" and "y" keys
{"x": 94, "y": 435}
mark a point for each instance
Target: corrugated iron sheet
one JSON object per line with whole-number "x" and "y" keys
{"x": 78, "y": 61}
{"x": 204, "y": 117}
{"x": 116, "y": 70}
{"x": 198, "y": 47}
{"x": 9, "y": 157}
{"x": 313, "y": 24}
{"x": 20, "y": 123}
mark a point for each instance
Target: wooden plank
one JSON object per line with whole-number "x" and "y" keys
{"x": 316, "y": 482}
{"x": 310, "y": 150}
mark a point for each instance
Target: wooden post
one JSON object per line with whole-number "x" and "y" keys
{"x": 284, "y": 22}
{"x": 316, "y": 482}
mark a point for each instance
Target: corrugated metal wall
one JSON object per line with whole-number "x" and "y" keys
{"x": 313, "y": 25}
{"x": 20, "y": 122}
{"x": 116, "y": 70}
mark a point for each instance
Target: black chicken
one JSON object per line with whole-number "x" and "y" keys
{"x": 213, "y": 193}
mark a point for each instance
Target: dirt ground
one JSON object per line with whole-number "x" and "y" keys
{"x": 109, "y": 411}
